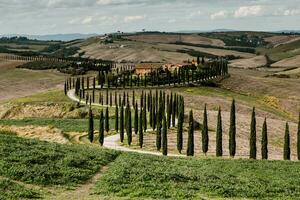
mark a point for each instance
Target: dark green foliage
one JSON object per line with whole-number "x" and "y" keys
{"x": 117, "y": 119}
{"x": 145, "y": 118}
{"x": 264, "y": 141}
{"x": 253, "y": 136}
{"x": 180, "y": 128}
{"x": 286, "y": 148}
{"x": 159, "y": 127}
{"x": 136, "y": 119}
{"x": 129, "y": 129}
{"x": 232, "y": 131}
{"x": 219, "y": 135}
{"x": 122, "y": 123}
{"x": 91, "y": 126}
{"x": 137, "y": 176}
{"x": 12, "y": 190}
{"x": 106, "y": 120}
{"x": 141, "y": 134}
{"x": 205, "y": 138}
{"x": 298, "y": 139}
{"x": 164, "y": 136}
{"x": 101, "y": 128}
{"x": 190, "y": 144}
{"x": 52, "y": 164}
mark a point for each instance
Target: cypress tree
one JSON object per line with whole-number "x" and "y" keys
{"x": 106, "y": 120}
{"x": 232, "y": 131}
{"x": 287, "y": 150}
{"x": 180, "y": 129}
{"x": 101, "y": 128}
{"x": 145, "y": 118}
{"x": 168, "y": 112}
{"x": 129, "y": 133}
{"x": 205, "y": 138}
{"x": 253, "y": 136}
{"x": 158, "y": 129}
{"x": 264, "y": 141}
{"x": 141, "y": 136}
{"x": 298, "y": 139}
{"x": 219, "y": 136}
{"x": 164, "y": 136}
{"x": 117, "y": 119}
{"x": 122, "y": 124}
{"x": 136, "y": 119}
{"x": 190, "y": 145}
{"x": 91, "y": 126}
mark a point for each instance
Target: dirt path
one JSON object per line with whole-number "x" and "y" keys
{"x": 85, "y": 190}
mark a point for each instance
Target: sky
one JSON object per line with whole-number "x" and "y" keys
{"x": 42, "y": 17}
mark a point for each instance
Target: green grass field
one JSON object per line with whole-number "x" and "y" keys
{"x": 152, "y": 177}
{"x": 11, "y": 190}
{"x": 66, "y": 125}
{"x": 43, "y": 163}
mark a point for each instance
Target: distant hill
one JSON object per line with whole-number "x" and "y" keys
{"x": 56, "y": 37}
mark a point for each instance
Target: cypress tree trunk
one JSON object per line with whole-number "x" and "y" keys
{"x": 117, "y": 119}
{"x": 165, "y": 136}
{"x": 287, "y": 150}
{"x": 298, "y": 139}
{"x": 253, "y": 136}
{"x": 264, "y": 141}
{"x": 136, "y": 119}
{"x": 101, "y": 129}
{"x": 129, "y": 133}
{"x": 180, "y": 129}
{"x": 205, "y": 138}
{"x": 122, "y": 124}
{"x": 141, "y": 136}
{"x": 232, "y": 131}
{"x": 106, "y": 120}
{"x": 219, "y": 136}
{"x": 91, "y": 126}
{"x": 190, "y": 145}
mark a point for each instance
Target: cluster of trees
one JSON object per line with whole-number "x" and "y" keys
{"x": 232, "y": 136}
{"x": 182, "y": 76}
{"x": 159, "y": 110}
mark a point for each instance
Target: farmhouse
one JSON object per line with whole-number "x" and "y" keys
{"x": 144, "y": 68}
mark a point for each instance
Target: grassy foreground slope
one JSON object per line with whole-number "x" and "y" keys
{"x": 43, "y": 163}
{"x": 144, "y": 176}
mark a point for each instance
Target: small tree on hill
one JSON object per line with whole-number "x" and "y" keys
{"x": 136, "y": 119}
{"x": 117, "y": 119}
{"x": 106, "y": 120}
{"x": 264, "y": 141}
{"x": 122, "y": 124}
{"x": 190, "y": 145}
{"x": 205, "y": 138}
{"x": 219, "y": 137}
{"x": 298, "y": 139}
{"x": 101, "y": 129}
{"x": 232, "y": 131}
{"x": 253, "y": 136}
{"x": 91, "y": 126}
{"x": 141, "y": 134}
{"x": 180, "y": 129}
{"x": 287, "y": 150}
{"x": 165, "y": 136}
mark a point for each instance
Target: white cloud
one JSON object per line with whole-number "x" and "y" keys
{"x": 128, "y": 19}
{"x": 246, "y": 11}
{"x": 219, "y": 15}
{"x": 291, "y": 12}
{"x": 87, "y": 20}
{"x": 104, "y": 2}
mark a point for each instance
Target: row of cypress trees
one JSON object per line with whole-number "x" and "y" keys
{"x": 124, "y": 79}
